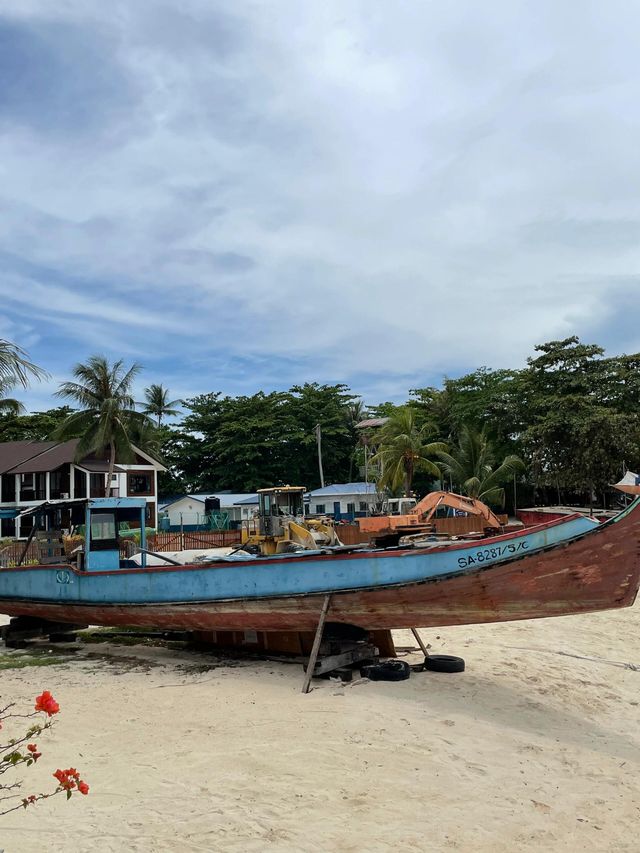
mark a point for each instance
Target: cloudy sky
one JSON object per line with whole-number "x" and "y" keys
{"x": 248, "y": 195}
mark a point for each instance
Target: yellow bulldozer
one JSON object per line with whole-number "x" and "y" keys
{"x": 280, "y": 525}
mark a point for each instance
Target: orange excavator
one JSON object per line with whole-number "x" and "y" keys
{"x": 437, "y": 513}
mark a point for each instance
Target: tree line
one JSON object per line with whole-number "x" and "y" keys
{"x": 562, "y": 429}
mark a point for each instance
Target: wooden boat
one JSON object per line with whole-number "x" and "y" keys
{"x": 573, "y": 565}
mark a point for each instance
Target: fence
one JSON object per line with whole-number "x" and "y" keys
{"x": 192, "y": 540}
{"x": 12, "y": 552}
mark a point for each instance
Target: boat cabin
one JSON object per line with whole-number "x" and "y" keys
{"x": 101, "y": 522}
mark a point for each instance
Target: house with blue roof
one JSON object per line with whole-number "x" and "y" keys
{"x": 343, "y": 501}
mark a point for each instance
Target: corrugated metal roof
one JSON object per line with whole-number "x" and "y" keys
{"x": 13, "y": 453}
{"x": 371, "y": 422}
{"x": 98, "y": 466}
{"x": 344, "y": 489}
{"x": 53, "y": 457}
{"x": 35, "y": 457}
{"x": 226, "y": 499}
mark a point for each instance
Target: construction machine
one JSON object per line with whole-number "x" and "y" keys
{"x": 438, "y": 512}
{"x": 280, "y": 525}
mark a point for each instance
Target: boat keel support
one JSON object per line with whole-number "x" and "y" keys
{"x": 313, "y": 657}
{"x": 21, "y": 628}
{"x": 420, "y": 642}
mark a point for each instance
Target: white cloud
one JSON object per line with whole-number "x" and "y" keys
{"x": 355, "y": 189}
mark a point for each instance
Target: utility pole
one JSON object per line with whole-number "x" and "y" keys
{"x": 366, "y": 479}
{"x": 318, "y": 431}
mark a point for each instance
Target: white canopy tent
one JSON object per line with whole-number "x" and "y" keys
{"x": 630, "y": 484}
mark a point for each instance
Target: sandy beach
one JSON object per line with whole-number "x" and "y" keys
{"x": 536, "y": 747}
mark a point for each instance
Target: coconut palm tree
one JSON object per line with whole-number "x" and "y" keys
{"x": 473, "y": 468}
{"x": 404, "y": 449}
{"x": 9, "y": 406}
{"x": 15, "y": 369}
{"x": 107, "y": 417}
{"x": 157, "y": 403}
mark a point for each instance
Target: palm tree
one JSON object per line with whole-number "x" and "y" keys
{"x": 157, "y": 403}
{"x": 15, "y": 369}
{"x": 9, "y": 406}
{"x": 404, "y": 449}
{"x": 473, "y": 469}
{"x": 107, "y": 418}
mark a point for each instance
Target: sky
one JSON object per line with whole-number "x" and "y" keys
{"x": 248, "y": 195}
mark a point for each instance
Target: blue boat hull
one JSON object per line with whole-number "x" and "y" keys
{"x": 567, "y": 566}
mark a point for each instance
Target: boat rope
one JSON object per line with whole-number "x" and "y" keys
{"x": 634, "y": 667}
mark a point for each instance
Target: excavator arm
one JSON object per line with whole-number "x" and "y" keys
{"x": 426, "y": 508}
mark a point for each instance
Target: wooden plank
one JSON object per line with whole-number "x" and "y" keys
{"x": 316, "y": 644}
{"x": 419, "y": 642}
{"x": 363, "y": 651}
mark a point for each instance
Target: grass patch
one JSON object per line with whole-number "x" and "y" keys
{"x": 119, "y": 637}
{"x": 20, "y": 660}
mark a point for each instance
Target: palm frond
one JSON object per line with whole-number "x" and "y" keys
{"x": 15, "y": 367}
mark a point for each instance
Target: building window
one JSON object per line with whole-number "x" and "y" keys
{"x": 8, "y": 527}
{"x": 351, "y": 509}
{"x": 320, "y": 508}
{"x": 79, "y": 483}
{"x": 140, "y": 483}
{"x": 103, "y": 531}
{"x": 363, "y": 506}
{"x": 96, "y": 485}
{"x": 8, "y": 488}
{"x": 59, "y": 483}
{"x": 33, "y": 487}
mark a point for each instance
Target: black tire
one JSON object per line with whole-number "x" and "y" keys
{"x": 443, "y": 663}
{"x": 391, "y": 670}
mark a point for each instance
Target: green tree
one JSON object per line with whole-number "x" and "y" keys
{"x": 157, "y": 403}
{"x": 329, "y": 406}
{"x": 36, "y": 426}
{"x": 404, "y": 449}
{"x": 473, "y": 467}
{"x": 581, "y": 416}
{"x": 107, "y": 417}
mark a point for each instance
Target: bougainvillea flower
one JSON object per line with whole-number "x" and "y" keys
{"x": 45, "y": 702}
{"x": 33, "y": 749}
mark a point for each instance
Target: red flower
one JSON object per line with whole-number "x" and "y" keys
{"x": 45, "y": 702}
{"x": 33, "y": 749}
{"x": 67, "y": 778}
{"x": 70, "y": 779}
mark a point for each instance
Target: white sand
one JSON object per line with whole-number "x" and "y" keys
{"x": 528, "y": 750}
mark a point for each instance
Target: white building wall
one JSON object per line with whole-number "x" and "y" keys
{"x": 344, "y": 501}
{"x": 190, "y": 509}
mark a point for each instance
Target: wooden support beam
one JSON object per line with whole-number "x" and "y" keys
{"x": 414, "y": 631}
{"x": 29, "y": 540}
{"x": 316, "y": 645}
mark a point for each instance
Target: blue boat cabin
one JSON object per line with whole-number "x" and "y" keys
{"x": 103, "y": 520}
